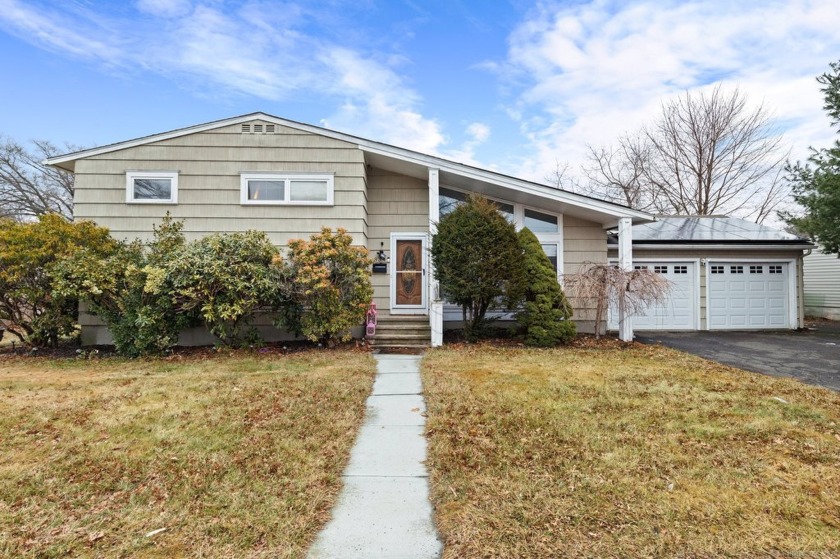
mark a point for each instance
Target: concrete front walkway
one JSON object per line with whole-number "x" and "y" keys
{"x": 384, "y": 509}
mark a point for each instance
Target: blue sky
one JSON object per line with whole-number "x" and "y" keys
{"x": 515, "y": 86}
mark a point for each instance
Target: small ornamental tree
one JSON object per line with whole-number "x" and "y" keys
{"x": 225, "y": 278}
{"x": 477, "y": 259}
{"x": 607, "y": 284}
{"x": 30, "y": 308}
{"x": 546, "y": 315}
{"x": 328, "y": 290}
{"x": 127, "y": 288}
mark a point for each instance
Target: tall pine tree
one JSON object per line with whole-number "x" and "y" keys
{"x": 816, "y": 183}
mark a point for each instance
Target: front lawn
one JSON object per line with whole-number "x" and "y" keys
{"x": 627, "y": 452}
{"x": 236, "y": 456}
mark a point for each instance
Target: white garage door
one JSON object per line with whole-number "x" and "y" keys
{"x": 679, "y": 312}
{"x": 748, "y": 295}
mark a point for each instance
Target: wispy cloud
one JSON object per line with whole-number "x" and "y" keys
{"x": 584, "y": 73}
{"x": 268, "y": 50}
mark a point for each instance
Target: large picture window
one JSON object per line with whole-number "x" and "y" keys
{"x": 151, "y": 187}
{"x": 274, "y": 189}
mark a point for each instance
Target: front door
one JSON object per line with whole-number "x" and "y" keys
{"x": 408, "y": 273}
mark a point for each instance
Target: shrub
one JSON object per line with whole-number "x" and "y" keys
{"x": 225, "y": 278}
{"x": 477, "y": 259}
{"x": 546, "y": 315}
{"x": 29, "y": 305}
{"x": 329, "y": 287}
{"x": 128, "y": 289}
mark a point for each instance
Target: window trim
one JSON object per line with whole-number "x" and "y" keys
{"x": 130, "y": 177}
{"x": 287, "y": 178}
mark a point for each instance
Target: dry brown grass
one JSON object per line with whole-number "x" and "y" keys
{"x": 634, "y": 452}
{"x": 236, "y": 456}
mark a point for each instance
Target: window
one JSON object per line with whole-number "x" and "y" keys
{"x": 756, "y": 269}
{"x": 551, "y": 251}
{"x": 151, "y": 187}
{"x": 736, "y": 269}
{"x": 271, "y": 189}
{"x": 539, "y": 222}
{"x": 775, "y": 269}
{"x": 660, "y": 269}
{"x": 448, "y": 200}
{"x": 717, "y": 269}
{"x": 680, "y": 269}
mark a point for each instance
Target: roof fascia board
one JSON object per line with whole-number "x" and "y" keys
{"x": 502, "y": 180}
{"x": 153, "y": 138}
{"x": 716, "y": 246}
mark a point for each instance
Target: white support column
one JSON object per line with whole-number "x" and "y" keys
{"x": 625, "y": 262}
{"x": 435, "y": 302}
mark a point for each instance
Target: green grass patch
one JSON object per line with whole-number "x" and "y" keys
{"x": 635, "y": 452}
{"x": 234, "y": 456}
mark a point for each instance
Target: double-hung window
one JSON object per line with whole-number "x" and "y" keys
{"x": 151, "y": 187}
{"x": 281, "y": 189}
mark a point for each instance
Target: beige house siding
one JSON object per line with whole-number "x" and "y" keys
{"x": 822, "y": 285}
{"x": 711, "y": 255}
{"x": 209, "y": 165}
{"x": 583, "y": 241}
{"x": 395, "y": 203}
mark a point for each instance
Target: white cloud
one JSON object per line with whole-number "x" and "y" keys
{"x": 585, "y": 73}
{"x": 258, "y": 49}
{"x": 477, "y": 133}
{"x": 164, "y": 8}
{"x": 43, "y": 28}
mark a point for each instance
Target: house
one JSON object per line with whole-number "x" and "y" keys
{"x": 725, "y": 273}
{"x": 822, "y": 285}
{"x": 289, "y": 179}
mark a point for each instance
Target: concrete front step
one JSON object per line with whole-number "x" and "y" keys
{"x": 402, "y": 331}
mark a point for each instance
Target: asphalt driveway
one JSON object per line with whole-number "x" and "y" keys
{"x": 812, "y": 355}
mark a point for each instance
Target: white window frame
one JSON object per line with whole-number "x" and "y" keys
{"x": 131, "y": 176}
{"x": 286, "y": 179}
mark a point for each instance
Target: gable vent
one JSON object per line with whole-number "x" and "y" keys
{"x": 258, "y": 128}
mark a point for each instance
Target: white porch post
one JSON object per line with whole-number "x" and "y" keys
{"x": 435, "y": 302}
{"x": 625, "y": 262}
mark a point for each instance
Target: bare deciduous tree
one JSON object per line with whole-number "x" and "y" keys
{"x": 28, "y": 188}
{"x": 605, "y": 284}
{"x": 560, "y": 177}
{"x": 707, "y": 153}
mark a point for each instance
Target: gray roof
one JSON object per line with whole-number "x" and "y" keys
{"x": 710, "y": 229}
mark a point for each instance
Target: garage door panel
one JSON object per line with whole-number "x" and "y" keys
{"x": 679, "y": 311}
{"x": 748, "y": 295}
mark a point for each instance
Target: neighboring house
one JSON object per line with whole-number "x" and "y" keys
{"x": 289, "y": 179}
{"x": 822, "y": 285}
{"x": 726, "y": 273}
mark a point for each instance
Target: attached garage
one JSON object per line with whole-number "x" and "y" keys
{"x": 726, "y": 274}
